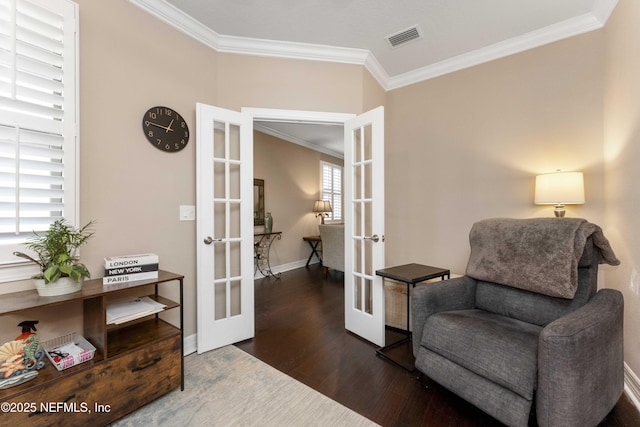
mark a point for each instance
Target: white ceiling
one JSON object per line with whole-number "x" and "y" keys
{"x": 328, "y": 139}
{"x": 456, "y": 33}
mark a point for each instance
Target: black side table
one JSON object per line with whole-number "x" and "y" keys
{"x": 313, "y": 241}
{"x": 409, "y": 274}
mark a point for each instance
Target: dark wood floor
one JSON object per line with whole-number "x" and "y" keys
{"x": 300, "y": 331}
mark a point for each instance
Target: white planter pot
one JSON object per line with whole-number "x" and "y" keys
{"x": 62, "y": 286}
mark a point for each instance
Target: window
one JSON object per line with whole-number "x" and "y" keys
{"x": 331, "y": 177}
{"x": 38, "y": 122}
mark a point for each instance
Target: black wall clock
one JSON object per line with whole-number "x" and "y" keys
{"x": 165, "y": 129}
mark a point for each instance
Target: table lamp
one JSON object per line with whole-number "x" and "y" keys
{"x": 559, "y": 188}
{"x": 321, "y": 209}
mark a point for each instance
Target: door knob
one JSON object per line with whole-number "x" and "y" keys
{"x": 209, "y": 240}
{"x": 374, "y": 238}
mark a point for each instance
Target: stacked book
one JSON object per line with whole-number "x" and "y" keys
{"x": 125, "y": 310}
{"x": 129, "y": 268}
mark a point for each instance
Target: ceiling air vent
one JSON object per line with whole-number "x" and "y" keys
{"x": 404, "y": 36}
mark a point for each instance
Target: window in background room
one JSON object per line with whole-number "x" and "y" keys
{"x": 331, "y": 178}
{"x": 38, "y": 123}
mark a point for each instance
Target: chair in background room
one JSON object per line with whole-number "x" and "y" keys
{"x": 332, "y": 236}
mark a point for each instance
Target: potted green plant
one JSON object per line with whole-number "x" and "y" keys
{"x": 56, "y": 255}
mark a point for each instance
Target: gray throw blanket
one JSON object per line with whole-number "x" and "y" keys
{"x": 539, "y": 254}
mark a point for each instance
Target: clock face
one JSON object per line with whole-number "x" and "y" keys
{"x": 165, "y": 129}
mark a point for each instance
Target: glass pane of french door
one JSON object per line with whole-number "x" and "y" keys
{"x": 226, "y": 220}
{"x": 363, "y": 269}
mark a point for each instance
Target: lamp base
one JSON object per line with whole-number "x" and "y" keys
{"x": 559, "y": 211}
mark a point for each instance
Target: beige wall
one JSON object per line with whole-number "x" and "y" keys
{"x": 373, "y": 94}
{"x": 290, "y": 84}
{"x": 622, "y": 152}
{"x": 129, "y": 62}
{"x": 467, "y": 146}
{"x": 291, "y": 176}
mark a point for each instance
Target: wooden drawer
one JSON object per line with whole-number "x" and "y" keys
{"x": 135, "y": 379}
{"x": 108, "y": 391}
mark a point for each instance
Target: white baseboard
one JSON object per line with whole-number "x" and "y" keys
{"x": 286, "y": 267}
{"x": 632, "y": 386}
{"x": 190, "y": 344}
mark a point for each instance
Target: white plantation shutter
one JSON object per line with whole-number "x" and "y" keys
{"x": 38, "y": 119}
{"x": 332, "y": 189}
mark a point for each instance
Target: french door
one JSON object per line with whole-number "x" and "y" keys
{"x": 224, "y": 199}
{"x": 364, "y": 225}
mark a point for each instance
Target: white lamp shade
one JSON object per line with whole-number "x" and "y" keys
{"x": 564, "y": 188}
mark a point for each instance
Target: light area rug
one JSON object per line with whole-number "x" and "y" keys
{"x": 228, "y": 387}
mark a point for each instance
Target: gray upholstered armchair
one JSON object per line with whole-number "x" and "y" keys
{"x": 332, "y": 236}
{"x": 526, "y": 324}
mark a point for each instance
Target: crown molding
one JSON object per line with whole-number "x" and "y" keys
{"x": 179, "y": 20}
{"x": 173, "y": 16}
{"x": 285, "y": 49}
{"x": 176, "y": 18}
{"x": 377, "y": 70}
{"x": 562, "y": 30}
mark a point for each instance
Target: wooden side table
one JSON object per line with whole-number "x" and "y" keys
{"x": 409, "y": 274}
{"x": 313, "y": 241}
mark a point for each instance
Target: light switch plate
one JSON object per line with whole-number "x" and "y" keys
{"x": 187, "y": 213}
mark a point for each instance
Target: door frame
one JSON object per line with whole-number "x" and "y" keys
{"x": 311, "y": 117}
{"x": 296, "y": 116}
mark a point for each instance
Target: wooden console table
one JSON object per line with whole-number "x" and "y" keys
{"x": 134, "y": 363}
{"x": 262, "y": 247}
